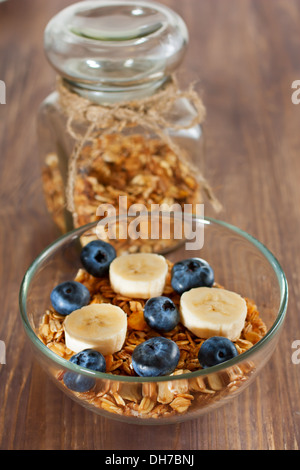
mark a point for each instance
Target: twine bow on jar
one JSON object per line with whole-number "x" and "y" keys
{"x": 149, "y": 113}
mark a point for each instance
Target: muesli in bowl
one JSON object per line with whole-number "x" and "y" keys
{"x": 154, "y": 338}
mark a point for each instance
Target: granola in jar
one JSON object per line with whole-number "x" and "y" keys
{"x": 120, "y": 124}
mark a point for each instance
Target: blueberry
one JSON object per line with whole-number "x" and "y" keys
{"x": 161, "y": 314}
{"x": 216, "y": 350}
{"x": 156, "y": 356}
{"x": 190, "y": 273}
{"x": 96, "y": 257}
{"x": 69, "y": 296}
{"x": 90, "y": 359}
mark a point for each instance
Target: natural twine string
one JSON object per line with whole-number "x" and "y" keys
{"x": 113, "y": 118}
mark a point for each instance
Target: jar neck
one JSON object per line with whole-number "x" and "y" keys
{"x": 101, "y": 94}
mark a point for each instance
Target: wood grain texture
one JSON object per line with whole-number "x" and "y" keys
{"x": 245, "y": 54}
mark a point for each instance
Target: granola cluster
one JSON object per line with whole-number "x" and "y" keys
{"x": 144, "y": 169}
{"x": 161, "y": 399}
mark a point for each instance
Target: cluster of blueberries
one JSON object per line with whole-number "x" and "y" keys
{"x": 159, "y": 355}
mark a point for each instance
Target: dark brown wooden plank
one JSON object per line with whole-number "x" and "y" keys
{"x": 245, "y": 54}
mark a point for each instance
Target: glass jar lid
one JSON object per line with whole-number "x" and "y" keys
{"x": 114, "y": 43}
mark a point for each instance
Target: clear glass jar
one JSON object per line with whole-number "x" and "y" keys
{"x": 117, "y": 124}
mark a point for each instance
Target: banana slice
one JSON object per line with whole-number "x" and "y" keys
{"x": 210, "y": 311}
{"x": 97, "y": 326}
{"x": 139, "y": 275}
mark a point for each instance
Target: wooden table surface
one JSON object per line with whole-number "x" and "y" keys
{"x": 245, "y": 54}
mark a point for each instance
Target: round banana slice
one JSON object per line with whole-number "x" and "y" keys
{"x": 139, "y": 275}
{"x": 101, "y": 327}
{"x": 210, "y": 311}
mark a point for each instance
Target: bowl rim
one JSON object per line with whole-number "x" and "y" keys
{"x": 67, "y": 365}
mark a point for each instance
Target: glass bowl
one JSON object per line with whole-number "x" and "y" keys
{"x": 241, "y": 264}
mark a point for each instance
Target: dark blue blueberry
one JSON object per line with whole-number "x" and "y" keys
{"x": 216, "y": 350}
{"x": 69, "y": 296}
{"x": 156, "y": 356}
{"x": 96, "y": 257}
{"x": 190, "y": 273}
{"x": 161, "y": 314}
{"x": 90, "y": 359}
